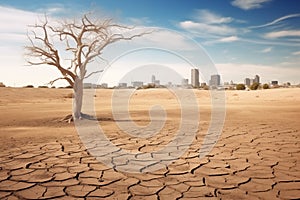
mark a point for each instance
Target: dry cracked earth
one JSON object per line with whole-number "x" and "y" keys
{"x": 247, "y": 163}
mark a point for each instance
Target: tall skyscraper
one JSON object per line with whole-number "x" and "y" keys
{"x": 153, "y": 79}
{"x": 215, "y": 80}
{"x": 247, "y": 81}
{"x": 195, "y": 77}
{"x": 256, "y": 79}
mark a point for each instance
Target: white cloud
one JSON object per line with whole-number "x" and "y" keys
{"x": 229, "y": 39}
{"x": 286, "y": 63}
{"x": 277, "y": 20}
{"x": 248, "y": 4}
{"x": 297, "y": 53}
{"x": 14, "y": 70}
{"x": 208, "y": 24}
{"x": 53, "y": 9}
{"x": 12, "y": 38}
{"x": 164, "y": 39}
{"x": 13, "y": 30}
{"x": 139, "y": 21}
{"x": 279, "y": 34}
{"x": 209, "y": 17}
{"x": 16, "y": 22}
{"x": 266, "y": 50}
{"x": 207, "y": 28}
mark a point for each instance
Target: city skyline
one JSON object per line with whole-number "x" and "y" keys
{"x": 242, "y": 38}
{"x": 194, "y": 81}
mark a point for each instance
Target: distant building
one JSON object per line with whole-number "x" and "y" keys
{"x": 247, "y": 81}
{"x": 157, "y": 82}
{"x": 251, "y": 81}
{"x": 170, "y": 84}
{"x": 184, "y": 82}
{"x": 153, "y": 79}
{"x": 256, "y": 79}
{"x": 87, "y": 85}
{"x": 93, "y": 85}
{"x": 274, "y": 83}
{"x": 137, "y": 84}
{"x": 104, "y": 85}
{"x": 122, "y": 85}
{"x": 215, "y": 80}
{"x": 195, "y": 78}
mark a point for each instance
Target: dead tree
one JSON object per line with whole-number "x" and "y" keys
{"x": 84, "y": 40}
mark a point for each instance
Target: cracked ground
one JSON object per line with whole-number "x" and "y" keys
{"x": 256, "y": 157}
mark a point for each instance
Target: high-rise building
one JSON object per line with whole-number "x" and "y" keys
{"x": 256, "y": 79}
{"x": 215, "y": 80}
{"x": 153, "y": 79}
{"x": 247, "y": 81}
{"x": 195, "y": 77}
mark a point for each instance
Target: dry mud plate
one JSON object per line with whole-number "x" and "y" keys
{"x": 257, "y": 156}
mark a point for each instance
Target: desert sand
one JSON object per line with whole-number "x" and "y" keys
{"x": 256, "y": 157}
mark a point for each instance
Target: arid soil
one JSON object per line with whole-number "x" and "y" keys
{"x": 256, "y": 157}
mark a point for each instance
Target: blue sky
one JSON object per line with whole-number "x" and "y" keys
{"x": 242, "y": 37}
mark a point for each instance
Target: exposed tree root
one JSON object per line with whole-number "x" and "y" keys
{"x": 69, "y": 118}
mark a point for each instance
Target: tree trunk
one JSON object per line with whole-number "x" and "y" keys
{"x": 78, "y": 95}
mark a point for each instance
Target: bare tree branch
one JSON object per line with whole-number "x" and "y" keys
{"x": 95, "y": 72}
{"x": 47, "y": 52}
{"x": 84, "y": 40}
{"x": 62, "y": 78}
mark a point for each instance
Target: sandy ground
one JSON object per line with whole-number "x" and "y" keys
{"x": 256, "y": 157}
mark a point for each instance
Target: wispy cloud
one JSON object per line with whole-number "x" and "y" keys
{"x": 13, "y": 28}
{"x": 229, "y": 39}
{"x": 53, "y": 9}
{"x": 249, "y": 4}
{"x": 297, "y": 53}
{"x": 16, "y": 22}
{"x": 266, "y": 50}
{"x": 164, "y": 38}
{"x": 209, "y": 17}
{"x": 276, "y": 21}
{"x": 209, "y": 23}
{"x": 69, "y": 9}
{"x": 207, "y": 28}
{"x": 139, "y": 21}
{"x": 280, "y": 34}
